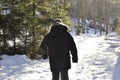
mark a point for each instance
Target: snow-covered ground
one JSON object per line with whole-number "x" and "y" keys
{"x": 97, "y": 61}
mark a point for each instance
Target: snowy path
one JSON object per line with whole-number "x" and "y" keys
{"x": 97, "y": 61}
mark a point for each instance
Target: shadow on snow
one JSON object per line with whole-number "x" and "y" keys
{"x": 116, "y": 72}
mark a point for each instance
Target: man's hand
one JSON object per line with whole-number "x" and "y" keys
{"x": 74, "y": 60}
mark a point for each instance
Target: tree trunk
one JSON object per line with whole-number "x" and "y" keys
{"x": 95, "y": 15}
{"x": 14, "y": 39}
{"x": 106, "y": 17}
{"x": 33, "y": 28}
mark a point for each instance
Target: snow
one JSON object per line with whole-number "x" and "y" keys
{"x": 97, "y": 61}
{"x": 117, "y": 50}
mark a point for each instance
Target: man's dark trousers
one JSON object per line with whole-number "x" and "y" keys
{"x": 63, "y": 74}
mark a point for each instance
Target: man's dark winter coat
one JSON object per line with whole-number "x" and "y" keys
{"x": 59, "y": 44}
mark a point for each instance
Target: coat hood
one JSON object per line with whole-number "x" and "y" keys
{"x": 58, "y": 29}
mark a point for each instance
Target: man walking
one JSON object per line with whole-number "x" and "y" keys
{"x": 59, "y": 44}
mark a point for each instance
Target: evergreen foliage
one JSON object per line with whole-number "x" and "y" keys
{"x": 28, "y": 21}
{"x": 116, "y": 24}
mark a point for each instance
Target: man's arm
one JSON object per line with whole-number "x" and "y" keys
{"x": 43, "y": 48}
{"x": 73, "y": 49}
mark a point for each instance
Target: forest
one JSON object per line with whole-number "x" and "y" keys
{"x": 24, "y": 23}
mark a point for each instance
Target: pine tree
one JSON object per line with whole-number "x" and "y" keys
{"x": 12, "y": 18}
{"x": 29, "y": 20}
{"x": 42, "y": 14}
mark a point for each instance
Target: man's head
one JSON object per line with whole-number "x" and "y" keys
{"x": 58, "y": 20}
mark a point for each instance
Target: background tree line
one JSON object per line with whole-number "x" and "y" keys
{"x": 101, "y": 11}
{"x": 24, "y": 22}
